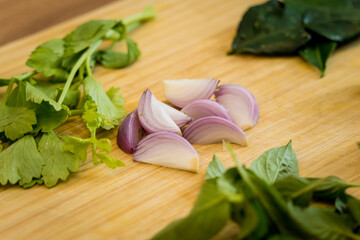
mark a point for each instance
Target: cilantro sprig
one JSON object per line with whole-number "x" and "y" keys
{"x": 62, "y": 85}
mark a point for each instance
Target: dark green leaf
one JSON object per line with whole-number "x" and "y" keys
{"x": 16, "y": 121}
{"x": 301, "y": 6}
{"x": 112, "y": 59}
{"x": 58, "y": 163}
{"x": 86, "y": 34}
{"x": 354, "y": 207}
{"x": 20, "y": 162}
{"x": 208, "y": 217}
{"x": 1, "y": 146}
{"x": 318, "y": 54}
{"x": 276, "y": 163}
{"x": 270, "y": 28}
{"x": 215, "y": 169}
{"x": 47, "y": 58}
{"x": 324, "y": 223}
{"x": 334, "y": 24}
{"x": 292, "y": 184}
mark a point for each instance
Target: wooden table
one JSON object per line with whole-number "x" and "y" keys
{"x": 189, "y": 39}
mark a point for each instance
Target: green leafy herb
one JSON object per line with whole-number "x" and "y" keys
{"x": 276, "y": 163}
{"x": 215, "y": 168}
{"x": 318, "y": 54}
{"x": 313, "y": 28}
{"x": 46, "y": 97}
{"x": 267, "y": 206}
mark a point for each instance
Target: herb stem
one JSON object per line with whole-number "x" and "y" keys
{"x": 134, "y": 21}
{"x": 8, "y": 91}
{"x": 76, "y": 112}
{"x": 78, "y": 64}
{"x": 5, "y": 82}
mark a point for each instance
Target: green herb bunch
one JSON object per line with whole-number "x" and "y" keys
{"x": 270, "y": 201}
{"x": 311, "y": 28}
{"x": 61, "y": 86}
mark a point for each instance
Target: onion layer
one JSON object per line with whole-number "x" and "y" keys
{"x": 180, "y": 118}
{"x": 169, "y": 150}
{"x": 183, "y": 92}
{"x": 204, "y": 108}
{"x": 240, "y": 103}
{"x": 214, "y": 129}
{"x": 152, "y": 115}
{"x": 130, "y": 132}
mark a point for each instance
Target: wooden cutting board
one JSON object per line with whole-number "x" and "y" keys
{"x": 189, "y": 39}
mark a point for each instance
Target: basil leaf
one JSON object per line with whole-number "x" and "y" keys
{"x": 209, "y": 216}
{"x": 276, "y": 163}
{"x": 215, "y": 169}
{"x": 303, "y": 5}
{"x": 318, "y": 54}
{"x": 334, "y": 24}
{"x": 270, "y": 28}
{"x": 324, "y": 223}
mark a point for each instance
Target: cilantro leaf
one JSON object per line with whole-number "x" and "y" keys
{"x": 276, "y": 163}
{"x": 35, "y": 95}
{"x": 58, "y": 163}
{"x": 16, "y": 121}
{"x": 77, "y": 146}
{"x": 86, "y": 34}
{"x": 108, "y": 160}
{"x": 20, "y": 162}
{"x": 47, "y": 58}
{"x": 112, "y": 59}
{"x": 48, "y": 118}
{"x": 116, "y": 97}
{"x": 1, "y": 146}
{"x": 215, "y": 169}
{"x": 105, "y": 107}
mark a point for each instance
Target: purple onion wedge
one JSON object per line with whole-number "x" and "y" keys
{"x": 204, "y": 108}
{"x": 183, "y": 92}
{"x": 180, "y": 118}
{"x": 168, "y": 150}
{"x": 130, "y": 132}
{"x": 153, "y": 117}
{"x": 240, "y": 103}
{"x": 214, "y": 129}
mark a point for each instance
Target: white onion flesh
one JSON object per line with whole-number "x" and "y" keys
{"x": 214, "y": 129}
{"x": 184, "y": 91}
{"x": 204, "y": 108}
{"x": 240, "y": 103}
{"x": 168, "y": 150}
{"x": 152, "y": 115}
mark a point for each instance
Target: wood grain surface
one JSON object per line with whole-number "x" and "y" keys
{"x": 189, "y": 39}
{"x": 19, "y": 18}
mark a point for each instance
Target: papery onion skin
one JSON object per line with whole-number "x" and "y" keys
{"x": 184, "y": 91}
{"x": 153, "y": 117}
{"x": 204, "y": 108}
{"x": 240, "y": 103}
{"x": 130, "y": 132}
{"x": 167, "y": 149}
{"x": 214, "y": 129}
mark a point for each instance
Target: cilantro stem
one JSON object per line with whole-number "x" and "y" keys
{"x": 76, "y": 112}
{"x": 4, "y": 81}
{"x": 134, "y": 21}
{"x": 8, "y": 91}
{"x": 78, "y": 64}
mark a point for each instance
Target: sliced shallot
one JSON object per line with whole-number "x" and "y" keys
{"x": 167, "y": 149}
{"x": 180, "y": 118}
{"x": 152, "y": 115}
{"x": 240, "y": 103}
{"x": 205, "y": 107}
{"x": 214, "y": 129}
{"x": 183, "y": 92}
{"x": 130, "y": 132}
